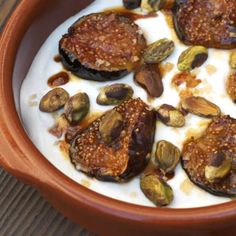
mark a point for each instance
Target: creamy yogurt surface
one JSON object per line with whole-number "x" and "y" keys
{"x": 213, "y": 75}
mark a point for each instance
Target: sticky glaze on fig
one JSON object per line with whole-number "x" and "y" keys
{"x": 220, "y": 136}
{"x": 210, "y": 23}
{"x": 127, "y": 156}
{"x": 102, "y": 46}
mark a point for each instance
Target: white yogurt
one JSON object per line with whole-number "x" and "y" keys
{"x": 37, "y": 123}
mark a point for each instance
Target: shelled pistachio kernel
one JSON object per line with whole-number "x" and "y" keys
{"x": 152, "y": 5}
{"x": 131, "y": 4}
{"x": 232, "y": 60}
{"x": 114, "y": 94}
{"x": 167, "y": 156}
{"x": 231, "y": 86}
{"x": 200, "y": 106}
{"x": 149, "y": 77}
{"x": 219, "y": 166}
{"x": 158, "y": 51}
{"x": 111, "y": 126}
{"x": 53, "y": 100}
{"x": 77, "y": 107}
{"x": 170, "y": 116}
{"x": 156, "y": 189}
{"x": 192, "y": 57}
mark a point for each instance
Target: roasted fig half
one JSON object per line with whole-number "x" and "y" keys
{"x": 209, "y": 23}
{"x": 126, "y": 154}
{"x": 210, "y": 160}
{"x": 102, "y": 46}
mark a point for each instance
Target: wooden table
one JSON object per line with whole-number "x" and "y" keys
{"x": 23, "y": 211}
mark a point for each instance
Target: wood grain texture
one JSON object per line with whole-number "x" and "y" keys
{"x": 23, "y": 211}
{"x": 6, "y": 8}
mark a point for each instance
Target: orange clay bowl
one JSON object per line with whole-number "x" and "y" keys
{"x": 23, "y": 35}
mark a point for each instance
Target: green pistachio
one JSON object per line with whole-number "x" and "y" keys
{"x": 167, "y": 156}
{"x": 170, "y": 116}
{"x": 156, "y": 190}
{"x": 114, "y": 94}
{"x": 200, "y": 106}
{"x": 158, "y": 51}
{"x": 53, "y": 100}
{"x": 193, "y": 57}
{"x": 77, "y": 107}
{"x": 152, "y": 5}
{"x": 219, "y": 166}
{"x": 231, "y": 86}
{"x": 111, "y": 126}
{"x": 131, "y": 4}
{"x": 232, "y": 60}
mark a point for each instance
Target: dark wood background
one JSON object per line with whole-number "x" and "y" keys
{"x": 23, "y": 211}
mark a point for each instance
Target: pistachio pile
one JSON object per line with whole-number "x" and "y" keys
{"x": 153, "y": 183}
{"x": 148, "y": 75}
{"x": 75, "y": 107}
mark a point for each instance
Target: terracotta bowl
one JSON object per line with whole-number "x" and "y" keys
{"x": 25, "y": 32}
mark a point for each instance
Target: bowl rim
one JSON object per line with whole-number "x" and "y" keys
{"x": 21, "y": 158}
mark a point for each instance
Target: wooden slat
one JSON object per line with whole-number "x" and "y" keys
{"x": 23, "y": 211}
{"x": 6, "y": 7}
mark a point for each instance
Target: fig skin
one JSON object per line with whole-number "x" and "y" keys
{"x": 127, "y": 155}
{"x": 86, "y": 73}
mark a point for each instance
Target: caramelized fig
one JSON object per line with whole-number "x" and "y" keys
{"x": 102, "y": 46}
{"x": 124, "y": 157}
{"x": 208, "y": 160}
{"x": 209, "y": 23}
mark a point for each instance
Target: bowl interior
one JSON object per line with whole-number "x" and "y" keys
{"x": 44, "y": 20}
